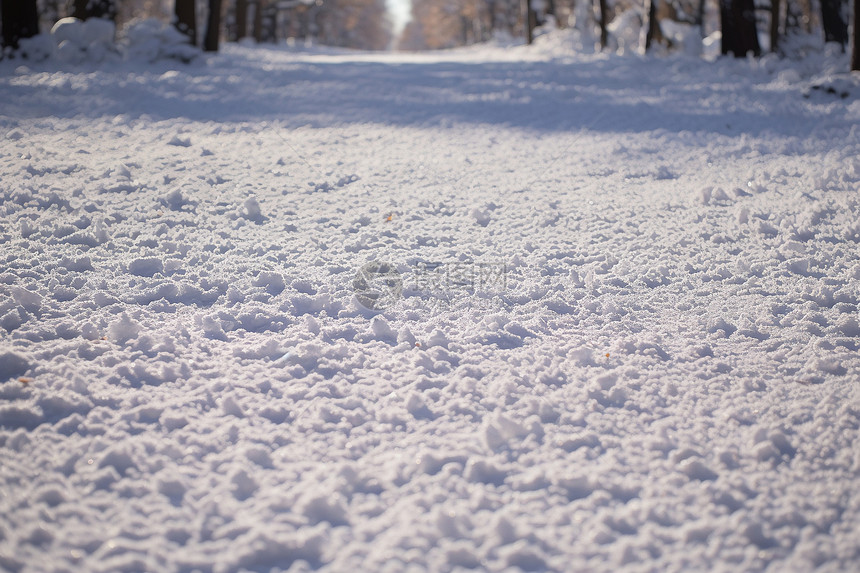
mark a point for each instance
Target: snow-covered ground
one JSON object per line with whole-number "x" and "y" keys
{"x": 626, "y": 336}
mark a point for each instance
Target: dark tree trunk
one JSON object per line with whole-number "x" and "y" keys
{"x": 737, "y": 19}
{"x": 529, "y": 20}
{"x": 650, "y": 25}
{"x": 258, "y": 21}
{"x": 775, "y": 8}
{"x": 855, "y": 41}
{"x": 213, "y": 26}
{"x": 604, "y": 16}
{"x": 86, "y": 9}
{"x": 835, "y": 27}
{"x": 241, "y": 19}
{"x": 186, "y": 19}
{"x": 20, "y": 20}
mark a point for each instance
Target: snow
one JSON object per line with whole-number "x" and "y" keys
{"x": 624, "y": 334}
{"x": 74, "y": 42}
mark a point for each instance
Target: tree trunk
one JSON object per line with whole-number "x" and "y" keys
{"x": 186, "y": 19}
{"x": 529, "y": 20}
{"x": 213, "y": 26}
{"x": 649, "y": 27}
{"x": 604, "y": 15}
{"x": 241, "y": 19}
{"x": 775, "y": 7}
{"x": 835, "y": 28}
{"x": 86, "y": 9}
{"x": 20, "y": 20}
{"x": 258, "y": 21}
{"x": 737, "y": 19}
{"x": 855, "y": 48}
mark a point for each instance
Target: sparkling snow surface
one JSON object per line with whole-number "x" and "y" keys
{"x": 662, "y": 376}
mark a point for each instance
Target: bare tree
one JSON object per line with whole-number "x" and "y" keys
{"x": 241, "y": 19}
{"x": 775, "y": 9}
{"x": 186, "y": 19}
{"x": 737, "y": 20}
{"x": 213, "y": 27}
{"x": 650, "y": 27}
{"x": 20, "y": 20}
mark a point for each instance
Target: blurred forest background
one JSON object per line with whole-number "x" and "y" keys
{"x": 742, "y": 27}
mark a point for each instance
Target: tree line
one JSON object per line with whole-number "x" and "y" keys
{"x": 363, "y": 24}
{"x": 449, "y": 23}
{"x": 358, "y": 24}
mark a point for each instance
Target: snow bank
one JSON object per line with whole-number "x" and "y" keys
{"x": 151, "y": 40}
{"x": 72, "y": 41}
{"x": 76, "y": 41}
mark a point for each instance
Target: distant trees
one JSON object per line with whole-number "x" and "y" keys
{"x": 439, "y": 24}
{"x": 358, "y": 24}
{"x": 449, "y": 23}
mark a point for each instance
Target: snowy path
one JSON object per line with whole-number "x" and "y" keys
{"x": 658, "y": 373}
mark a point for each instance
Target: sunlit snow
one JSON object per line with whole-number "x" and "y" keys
{"x": 616, "y": 326}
